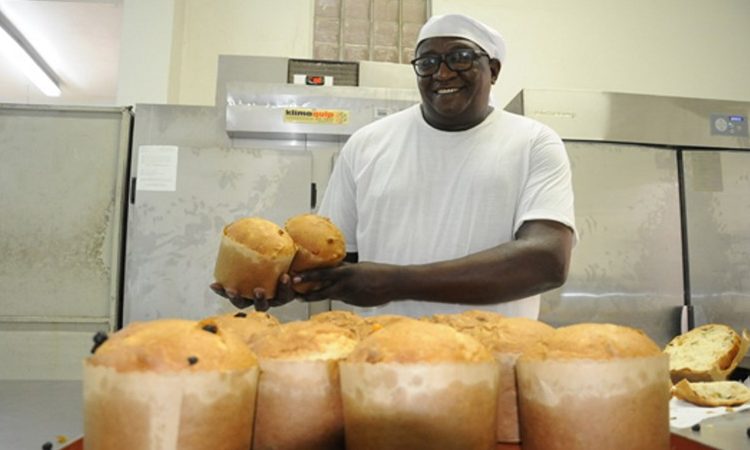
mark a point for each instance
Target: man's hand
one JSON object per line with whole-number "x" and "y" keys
{"x": 361, "y": 284}
{"x": 260, "y": 300}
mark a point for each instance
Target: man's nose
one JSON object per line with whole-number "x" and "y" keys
{"x": 444, "y": 71}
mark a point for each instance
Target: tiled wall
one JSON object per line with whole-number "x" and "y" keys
{"x": 374, "y": 30}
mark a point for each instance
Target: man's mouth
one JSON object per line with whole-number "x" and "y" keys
{"x": 446, "y": 91}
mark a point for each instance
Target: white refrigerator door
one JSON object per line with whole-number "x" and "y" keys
{"x": 190, "y": 181}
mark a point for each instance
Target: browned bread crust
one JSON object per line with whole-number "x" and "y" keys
{"x": 414, "y": 341}
{"x": 170, "y": 345}
{"x": 245, "y": 325}
{"x": 594, "y": 341}
{"x": 304, "y": 340}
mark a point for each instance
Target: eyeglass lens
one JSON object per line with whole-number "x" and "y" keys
{"x": 457, "y": 61}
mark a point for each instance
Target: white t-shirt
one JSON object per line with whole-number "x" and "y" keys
{"x": 403, "y": 192}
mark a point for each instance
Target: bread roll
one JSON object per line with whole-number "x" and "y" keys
{"x": 253, "y": 253}
{"x": 417, "y": 385}
{"x": 594, "y": 386}
{"x": 320, "y": 244}
{"x": 299, "y": 395}
{"x": 168, "y": 385}
{"x": 712, "y": 393}
{"x": 706, "y": 353}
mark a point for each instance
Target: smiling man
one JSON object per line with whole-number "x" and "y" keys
{"x": 451, "y": 204}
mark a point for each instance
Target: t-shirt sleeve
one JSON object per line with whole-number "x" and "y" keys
{"x": 548, "y": 191}
{"x": 339, "y": 200}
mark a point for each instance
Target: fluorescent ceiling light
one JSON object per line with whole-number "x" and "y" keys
{"x": 23, "y": 56}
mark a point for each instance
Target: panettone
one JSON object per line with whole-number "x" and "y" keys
{"x": 594, "y": 386}
{"x": 320, "y": 244}
{"x": 419, "y": 385}
{"x": 299, "y": 396}
{"x": 253, "y": 253}
{"x": 170, "y": 384}
{"x": 506, "y": 338}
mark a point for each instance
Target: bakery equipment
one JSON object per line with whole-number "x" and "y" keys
{"x": 661, "y": 204}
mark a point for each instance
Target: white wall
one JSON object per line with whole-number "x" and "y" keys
{"x": 238, "y": 27}
{"x": 689, "y": 48}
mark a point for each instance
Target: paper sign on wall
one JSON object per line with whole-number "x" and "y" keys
{"x": 157, "y": 168}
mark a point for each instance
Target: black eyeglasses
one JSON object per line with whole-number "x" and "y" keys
{"x": 457, "y": 61}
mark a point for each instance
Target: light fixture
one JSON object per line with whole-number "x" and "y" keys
{"x": 22, "y": 55}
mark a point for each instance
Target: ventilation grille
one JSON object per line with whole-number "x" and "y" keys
{"x": 343, "y": 73}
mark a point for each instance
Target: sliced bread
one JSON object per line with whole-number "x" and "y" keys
{"x": 712, "y": 393}
{"x": 705, "y": 353}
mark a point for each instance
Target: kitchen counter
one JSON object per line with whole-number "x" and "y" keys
{"x": 35, "y": 412}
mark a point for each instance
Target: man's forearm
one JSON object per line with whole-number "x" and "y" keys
{"x": 517, "y": 269}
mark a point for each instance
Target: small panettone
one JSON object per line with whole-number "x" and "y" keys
{"x": 253, "y": 253}
{"x": 245, "y": 325}
{"x": 594, "y": 386}
{"x": 299, "y": 395}
{"x": 320, "y": 244}
{"x": 419, "y": 385}
{"x": 170, "y": 384}
{"x": 707, "y": 353}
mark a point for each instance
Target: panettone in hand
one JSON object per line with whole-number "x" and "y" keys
{"x": 253, "y": 253}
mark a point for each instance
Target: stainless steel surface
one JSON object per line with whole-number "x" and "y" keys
{"x": 634, "y": 118}
{"x": 629, "y": 266}
{"x": 726, "y": 432}
{"x": 35, "y": 412}
{"x": 173, "y": 236}
{"x": 626, "y": 267}
{"x": 62, "y": 179}
{"x": 717, "y": 197}
{"x": 258, "y": 109}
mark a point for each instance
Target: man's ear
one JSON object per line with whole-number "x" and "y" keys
{"x": 495, "y": 67}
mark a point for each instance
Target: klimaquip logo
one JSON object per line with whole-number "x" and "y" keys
{"x": 316, "y": 116}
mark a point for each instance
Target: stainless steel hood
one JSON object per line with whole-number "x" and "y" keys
{"x": 289, "y": 111}
{"x": 636, "y": 118}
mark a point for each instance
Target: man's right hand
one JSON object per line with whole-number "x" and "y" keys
{"x": 284, "y": 295}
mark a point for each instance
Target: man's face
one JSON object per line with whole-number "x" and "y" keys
{"x": 456, "y": 100}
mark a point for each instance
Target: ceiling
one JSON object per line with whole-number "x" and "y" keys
{"x": 79, "y": 40}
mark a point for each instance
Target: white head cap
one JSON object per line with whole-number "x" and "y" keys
{"x": 459, "y": 25}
